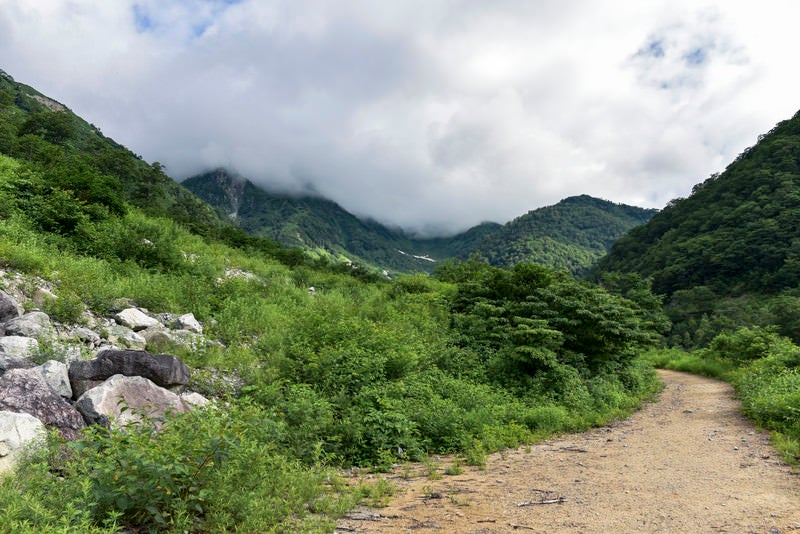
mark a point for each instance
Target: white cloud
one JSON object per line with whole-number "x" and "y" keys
{"x": 422, "y": 113}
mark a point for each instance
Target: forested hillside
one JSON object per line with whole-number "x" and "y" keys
{"x": 570, "y": 235}
{"x": 728, "y": 255}
{"x": 316, "y": 365}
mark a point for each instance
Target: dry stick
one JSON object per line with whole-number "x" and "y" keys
{"x": 558, "y": 500}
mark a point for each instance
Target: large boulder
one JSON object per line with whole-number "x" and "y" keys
{"x": 122, "y": 400}
{"x": 26, "y": 391}
{"x": 9, "y": 308}
{"x": 33, "y": 324}
{"x": 135, "y": 319}
{"x": 163, "y": 369}
{"x": 56, "y": 375}
{"x": 19, "y": 346}
{"x": 17, "y": 430}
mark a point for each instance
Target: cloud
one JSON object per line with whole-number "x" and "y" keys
{"x": 430, "y": 114}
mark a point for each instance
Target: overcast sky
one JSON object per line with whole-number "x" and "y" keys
{"x": 433, "y": 115}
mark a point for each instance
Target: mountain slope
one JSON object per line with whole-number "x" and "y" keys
{"x": 45, "y": 133}
{"x": 305, "y": 221}
{"x": 736, "y": 233}
{"x": 570, "y": 235}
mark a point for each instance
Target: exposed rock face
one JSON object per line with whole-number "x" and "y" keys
{"x": 56, "y": 376}
{"x": 135, "y": 319}
{"x": 33, "y": 324}
{"x": 16, "y": 431}
{"x": 124, "y": 399}
{"x": 9, "y": 308}
{"x": 26, "y": 391}
{"x": 163, "y": 369}
{"x": 18, "y": 346}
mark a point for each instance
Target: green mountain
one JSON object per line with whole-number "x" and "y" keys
{"x": 737, "y": 232}
{"x": 44, "y": 132}
{"x": 570, "y": 235}
{"x": 728, "y": 256}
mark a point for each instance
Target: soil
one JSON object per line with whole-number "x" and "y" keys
{"x": 689, "y": 462}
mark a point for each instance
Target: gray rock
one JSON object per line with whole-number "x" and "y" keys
{"x": 192, "y": 398}
{"x": 56, "y": 376}
{"x": 10, "y": 361}
{"x": 125, "y": 337}
{"x": 42, "y": 296}
{"x": 90, "y": 337}
{"x": 135, "y": 319}
{"x": 17, "y": 431}
{"x": 122, "y": 400}
{"x": 26, "y": 391}
{"x": 188, "y": 322}
{"x": 163, "y": 369}
{"x": 33, "y": 324}
{"x": 21, "y": 347}
{"x": 9, "y": 308}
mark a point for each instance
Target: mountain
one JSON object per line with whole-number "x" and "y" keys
{"x": 48, "y": 135}
{"x": 570, "y": 235}
{"x": 310, "y": 222}
{"x": 738, "y": 231}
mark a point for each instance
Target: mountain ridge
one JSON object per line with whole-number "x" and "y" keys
{"x": 546, "y": 235}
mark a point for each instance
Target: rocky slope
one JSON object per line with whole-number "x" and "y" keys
{"x": 98, "y": 371}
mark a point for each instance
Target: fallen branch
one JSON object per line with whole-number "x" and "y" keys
{"x": 557, "y": 500}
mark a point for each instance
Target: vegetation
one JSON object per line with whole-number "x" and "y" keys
{"x": 361, "y": 371}
{"x": 570, "y": 235}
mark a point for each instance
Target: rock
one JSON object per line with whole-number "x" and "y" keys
{"x": 10, "y": 361}
{"x": 192, "y": 398}
{"x": 56, "y": 375}
{"x": 135, "y": 319}
{"x": 26, "y": 391}
{"x": 188, "y": 322}
{"x": 108, "y": 402}
{"x": 42, "y": 296}
{"x": 163, "y": 369}
{"x": 17, "y": 430}
{"x": 125, "y": 337}
{"x": 9, "y": 308}
{"x": 86, "y": 335}
{"x": 33, "y": 324}
{"x": 21, "y": 347}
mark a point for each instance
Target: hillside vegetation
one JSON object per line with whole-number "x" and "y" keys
{"x": 358, "y": 371}
{"x": 570, "y": 235}
{"x": 727, "y": 255}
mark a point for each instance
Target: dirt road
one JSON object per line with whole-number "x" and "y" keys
{"x": 687, "y": 463}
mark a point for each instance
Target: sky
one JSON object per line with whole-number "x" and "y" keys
{"x": 430, "y": 115}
